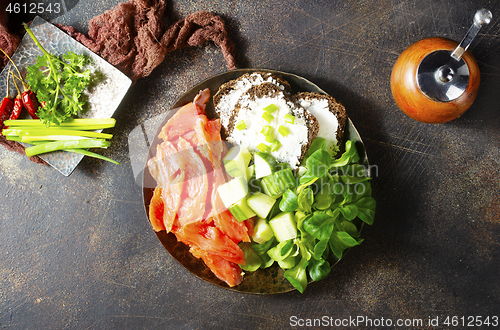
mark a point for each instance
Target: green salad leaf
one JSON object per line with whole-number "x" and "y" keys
{"x": 305, "y": 200}
{"x": 297, "y": 275}
{"x": 289, "y": 201}
{"x": 330, "y": 195}
{"x": 321, "y": 224}
{"x": 317, "y": 144}
{"x": 252, "y": 259}
{"x": 319, "y": 269}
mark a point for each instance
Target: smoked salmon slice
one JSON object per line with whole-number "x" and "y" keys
{"x": 185, "y": 118}
{"x": 171, "y": 196}
{"x": 188, "y": 170}
{"x": 156, "y": 208}
{"x": 211, "y": 239}
{"x": 206, "y": 142}
{"x": 195, "y": 191}
{"x": 228, "y": 225}
{"x": 167, "y": 167}
{"x": 226, "y": 271}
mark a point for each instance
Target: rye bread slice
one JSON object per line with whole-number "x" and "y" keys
{"x": 229, "y": 93}
{"x": 323, "y": 107}
{"x": 250, "y": 108}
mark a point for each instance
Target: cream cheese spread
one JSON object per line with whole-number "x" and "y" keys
{"x": 328, "y": 122}
{"x": 228, "y": 102}
{"x": 251, "y": 111}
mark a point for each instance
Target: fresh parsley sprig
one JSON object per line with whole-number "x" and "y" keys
{"x": 59, "y": 83}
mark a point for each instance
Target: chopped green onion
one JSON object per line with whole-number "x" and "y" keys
{"x": 283, "y": 130}
{"x": 91, "y": 154}
{"x": 289, "y": 118}
{"x": 270, "y": 138}
{"x": 241, "y": 125}
{"x": 28, "y": 138}
{"x": 13, "y": 138}
{"x": 268, "y": 117}
{"x": 74, "y": 135}
{"x": 271, "y": 108}
{"x": 80, "y": 123}
{"x": 267, "y": 130}
{"x": 10, "y": 132}
{"x": 84, "y": 152}
{"x": 276, "y": 145}
{"x": 54, "y": 131}
{"x": 61, "y": 145}
{"x": 263, "y": 147}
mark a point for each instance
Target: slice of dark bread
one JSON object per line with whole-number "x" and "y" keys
{"x": 250, "y": 107}
{"x": 229, "y": 93}
{"x": 331, "y": 116}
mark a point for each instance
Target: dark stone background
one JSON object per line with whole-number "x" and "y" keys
{"x": 78, "y": 251}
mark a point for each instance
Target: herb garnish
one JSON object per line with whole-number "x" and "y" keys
{"x": 59, "y": 83}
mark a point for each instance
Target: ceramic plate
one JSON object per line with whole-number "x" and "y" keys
{"x": 262, "y": 281}
{"x": 103, "y": 99}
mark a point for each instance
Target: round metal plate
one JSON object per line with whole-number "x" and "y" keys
{"x": 262, "y": 281}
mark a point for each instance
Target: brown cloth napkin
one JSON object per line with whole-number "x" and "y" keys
{"x": 132, "y": 37}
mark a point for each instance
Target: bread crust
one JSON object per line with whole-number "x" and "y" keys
{"x": 239, "y": 93}
{"x": 235, "y": 88}
{"x": 334, "y": 107}
{"x": 272, "y": 90}
{"x": 232, "y": 85}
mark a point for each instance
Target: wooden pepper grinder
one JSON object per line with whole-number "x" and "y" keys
{"x": 436, "y": 80}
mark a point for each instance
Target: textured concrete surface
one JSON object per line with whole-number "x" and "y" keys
{"x": 78, "y": 252}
